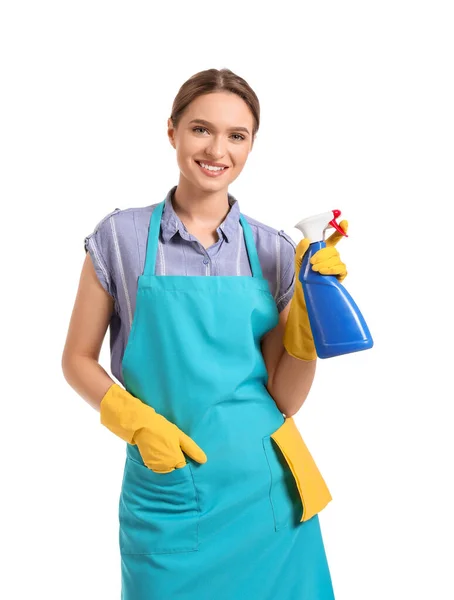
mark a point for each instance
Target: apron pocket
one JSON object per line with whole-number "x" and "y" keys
{"x": 158, "y": 512}
{"x": 288, "y": 456}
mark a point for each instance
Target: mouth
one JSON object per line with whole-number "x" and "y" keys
{"x": 211, "y": 171}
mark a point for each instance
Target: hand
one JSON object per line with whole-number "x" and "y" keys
{"x": 159, "y": 441}
{"x": 298, "y": 340}
{"x": 327, "y": 260}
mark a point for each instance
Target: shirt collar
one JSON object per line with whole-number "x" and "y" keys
{"x": 171, "y": 223}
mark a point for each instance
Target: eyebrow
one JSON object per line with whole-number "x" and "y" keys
{"x": 208, "y": 124}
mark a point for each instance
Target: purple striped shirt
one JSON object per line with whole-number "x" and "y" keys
{"x": 118, "y": 246}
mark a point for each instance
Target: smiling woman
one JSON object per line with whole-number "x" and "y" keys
{"x": 213, "y": 136}
{"x": 220, "y": 496}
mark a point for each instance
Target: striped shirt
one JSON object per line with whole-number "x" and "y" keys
{"x": 118, "y": 245}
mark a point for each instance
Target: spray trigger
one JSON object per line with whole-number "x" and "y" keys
{"x": 335, "y": 224}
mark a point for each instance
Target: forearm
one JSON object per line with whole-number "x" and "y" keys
{"x": 86, "y": 376}
{"x": 291, "y": 383}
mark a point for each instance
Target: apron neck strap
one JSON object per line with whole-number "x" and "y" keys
{"x": 251, "y": 249}
{"x": 153, "y": 237}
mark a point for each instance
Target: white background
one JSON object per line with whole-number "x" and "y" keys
{"x": 357, "y": 113}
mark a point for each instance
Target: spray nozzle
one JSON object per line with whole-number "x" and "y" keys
{"x": 313, "y": 228}
{"x": 335, "y": 224}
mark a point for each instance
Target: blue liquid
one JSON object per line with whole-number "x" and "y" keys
{"x": 338, "y": 327}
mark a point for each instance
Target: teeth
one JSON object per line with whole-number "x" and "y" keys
{"x": 211, "y": 168}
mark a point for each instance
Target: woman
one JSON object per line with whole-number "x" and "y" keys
{"x": 210, "y": 338}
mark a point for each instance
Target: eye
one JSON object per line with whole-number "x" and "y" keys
{"x": 241, "y": 137}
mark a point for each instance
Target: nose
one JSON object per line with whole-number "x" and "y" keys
{"x": 216, "y": 148}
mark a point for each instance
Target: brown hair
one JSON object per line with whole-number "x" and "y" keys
{"x": 214, "y": 80}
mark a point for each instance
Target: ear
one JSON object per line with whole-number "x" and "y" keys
{"x": 171, "y": 132}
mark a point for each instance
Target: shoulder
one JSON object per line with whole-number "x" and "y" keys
{"x": 120, "y": 225}
{"x": 116, "y": 245}
{"x": 121, "y": 217}
{"x": 270, "y": 237}
{"x": 276, "y": 250}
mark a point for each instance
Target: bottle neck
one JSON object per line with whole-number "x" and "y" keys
{"x": 313, "y": 248}
{"x": 316, "y": 246}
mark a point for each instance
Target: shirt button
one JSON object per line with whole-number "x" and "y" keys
{"x": 205, "y": 261}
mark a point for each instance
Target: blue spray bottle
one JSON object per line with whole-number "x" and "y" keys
{"x": 338, "y": 327}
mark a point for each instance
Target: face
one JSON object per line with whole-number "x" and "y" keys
{"x": 215, "y": 128}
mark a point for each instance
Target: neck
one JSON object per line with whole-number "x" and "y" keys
{"x": 200, "y": 207}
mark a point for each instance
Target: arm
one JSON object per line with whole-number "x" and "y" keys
{"x": 289, "y": 379}
{"x": 289, "y": 349}
{"x": 160, "y": 442}
{"x": 87, "y": 328}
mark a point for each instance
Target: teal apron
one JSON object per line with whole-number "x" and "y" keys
{"x": 229, "y": 529}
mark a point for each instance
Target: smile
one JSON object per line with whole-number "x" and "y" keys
{"x": 211, "y": 171}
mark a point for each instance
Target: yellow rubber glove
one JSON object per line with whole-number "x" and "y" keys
{"x": 298, "y": 340}
{"x": 159, "y": 441}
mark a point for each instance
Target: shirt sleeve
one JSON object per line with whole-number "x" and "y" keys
{"x": 99, "y": 244}
{"x": 286, "y": 267}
